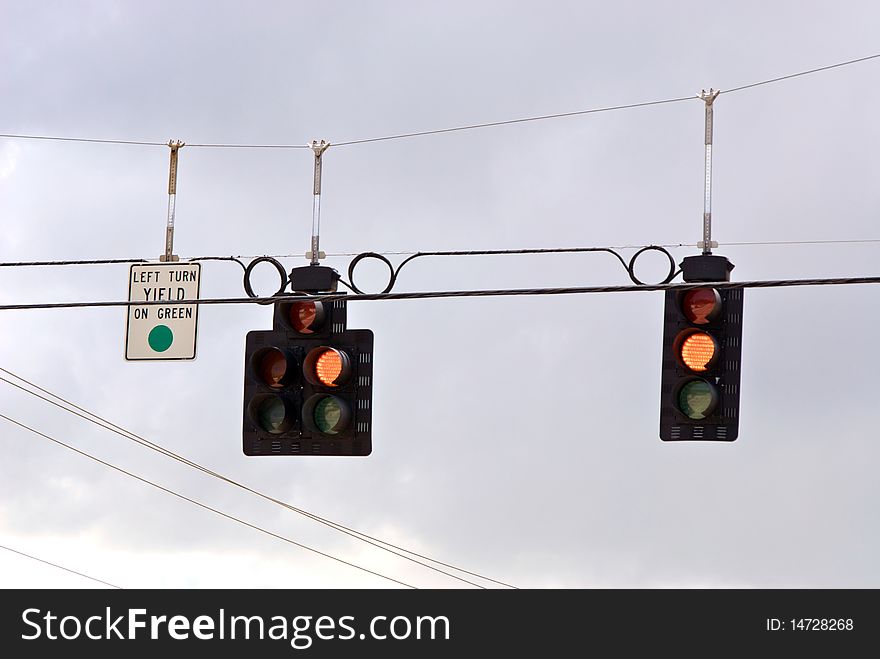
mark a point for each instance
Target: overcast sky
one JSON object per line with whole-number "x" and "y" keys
{"x": 516, "y": 437}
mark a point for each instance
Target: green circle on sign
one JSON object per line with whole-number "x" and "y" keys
{"x": 161, "y": 338}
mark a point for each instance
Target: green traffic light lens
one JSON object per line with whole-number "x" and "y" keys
{"x": 272, "y": 415}
{"x": 697, "y": 399}
{"x": 328, "y": 415}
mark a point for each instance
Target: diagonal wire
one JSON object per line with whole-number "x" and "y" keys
{"x": 60, "y": 567}
{"x": 131, "y": 436}
{"x": 516, "y": 121}
{"x": 202, "y": 505}
{"x": 81, "y": 139}
{"x": 801, "y": 73}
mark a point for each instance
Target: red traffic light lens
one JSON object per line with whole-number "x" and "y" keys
{"x": 701, "y": 306}
{"x": 697, "y": 350}
{"x": 327, "y": 367}
{"x": 306, "y": 317}
{"x": 697, "y": 399}
{"x": 274, "y": 367}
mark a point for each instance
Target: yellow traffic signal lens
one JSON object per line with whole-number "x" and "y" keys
{"x": 697, "y": 399}
{"x": 701, "y": 305}
{"x": 327, "y": 367}
{"x": 306, "y": 317}
{"x": 698, "y": 351}
{"x": 272, "y": 367}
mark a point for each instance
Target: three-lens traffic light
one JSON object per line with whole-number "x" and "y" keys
{"x": 701, "y": 364}
{"x": 308, "y": 383}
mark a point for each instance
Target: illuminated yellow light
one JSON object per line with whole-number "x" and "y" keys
{"x": 698, "y": 351}
{"x": 328, "y": 367}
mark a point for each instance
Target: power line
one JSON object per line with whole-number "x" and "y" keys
{"x": 802, "y": 73}
{"x": 359, "y": 297}
{"x": 82, "y": 139}
{"x": 202, "y": 505}
{"x": 453, "y": 129}
{"x": 559, "y": 115}
{"x": 250, "y": 146}
{"x": 22, "y": 264}
{"x": 60, "y": 567}
{"x": 412, "y": 252}
{"x": 862, "y": 241}
{"x": 127, "y": 434}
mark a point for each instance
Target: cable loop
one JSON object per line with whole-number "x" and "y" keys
{"x": 282, "y": 273}
{"x": 630, "y": 269}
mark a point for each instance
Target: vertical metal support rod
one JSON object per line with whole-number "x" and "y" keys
{"x": 318, "y": 148}
{"x": 172, "y": 201}
{"x": 708, "y": 98}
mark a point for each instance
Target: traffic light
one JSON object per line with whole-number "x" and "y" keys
{"x": 308, "y": 383}
{"x": 702, "y": 332}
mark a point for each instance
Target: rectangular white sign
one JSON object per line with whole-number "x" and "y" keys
{"x": 162, "y": 332}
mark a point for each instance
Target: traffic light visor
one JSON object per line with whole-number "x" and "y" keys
{"x": 327, "y": 367}
{"x": 701, "y": 306}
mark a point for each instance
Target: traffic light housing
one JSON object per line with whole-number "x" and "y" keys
{"x": 702, "y": 337}
{"x": 308, "y": 383}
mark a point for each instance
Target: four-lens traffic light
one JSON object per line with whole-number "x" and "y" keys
{"x": 308, "y": 383}
{"x": 702, "y": 333}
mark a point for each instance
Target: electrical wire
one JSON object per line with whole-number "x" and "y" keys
{"x": 512, "y": 292}
{"x": 81, "y": 139}
{"x": 237, "y": 258}
{"x": 20, "y": 264}
{"x": 131, "y": 436}
{"x": 60, "y": 567}
{"x": 508, "y": 122}
{"x": 250, "y": 146}
{"x": 802, "y": 73}
{"x": 202, "y": 505}
{"x": 438, "y": 131}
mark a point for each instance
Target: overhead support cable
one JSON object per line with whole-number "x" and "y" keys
{"x": 489, "y": 124}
